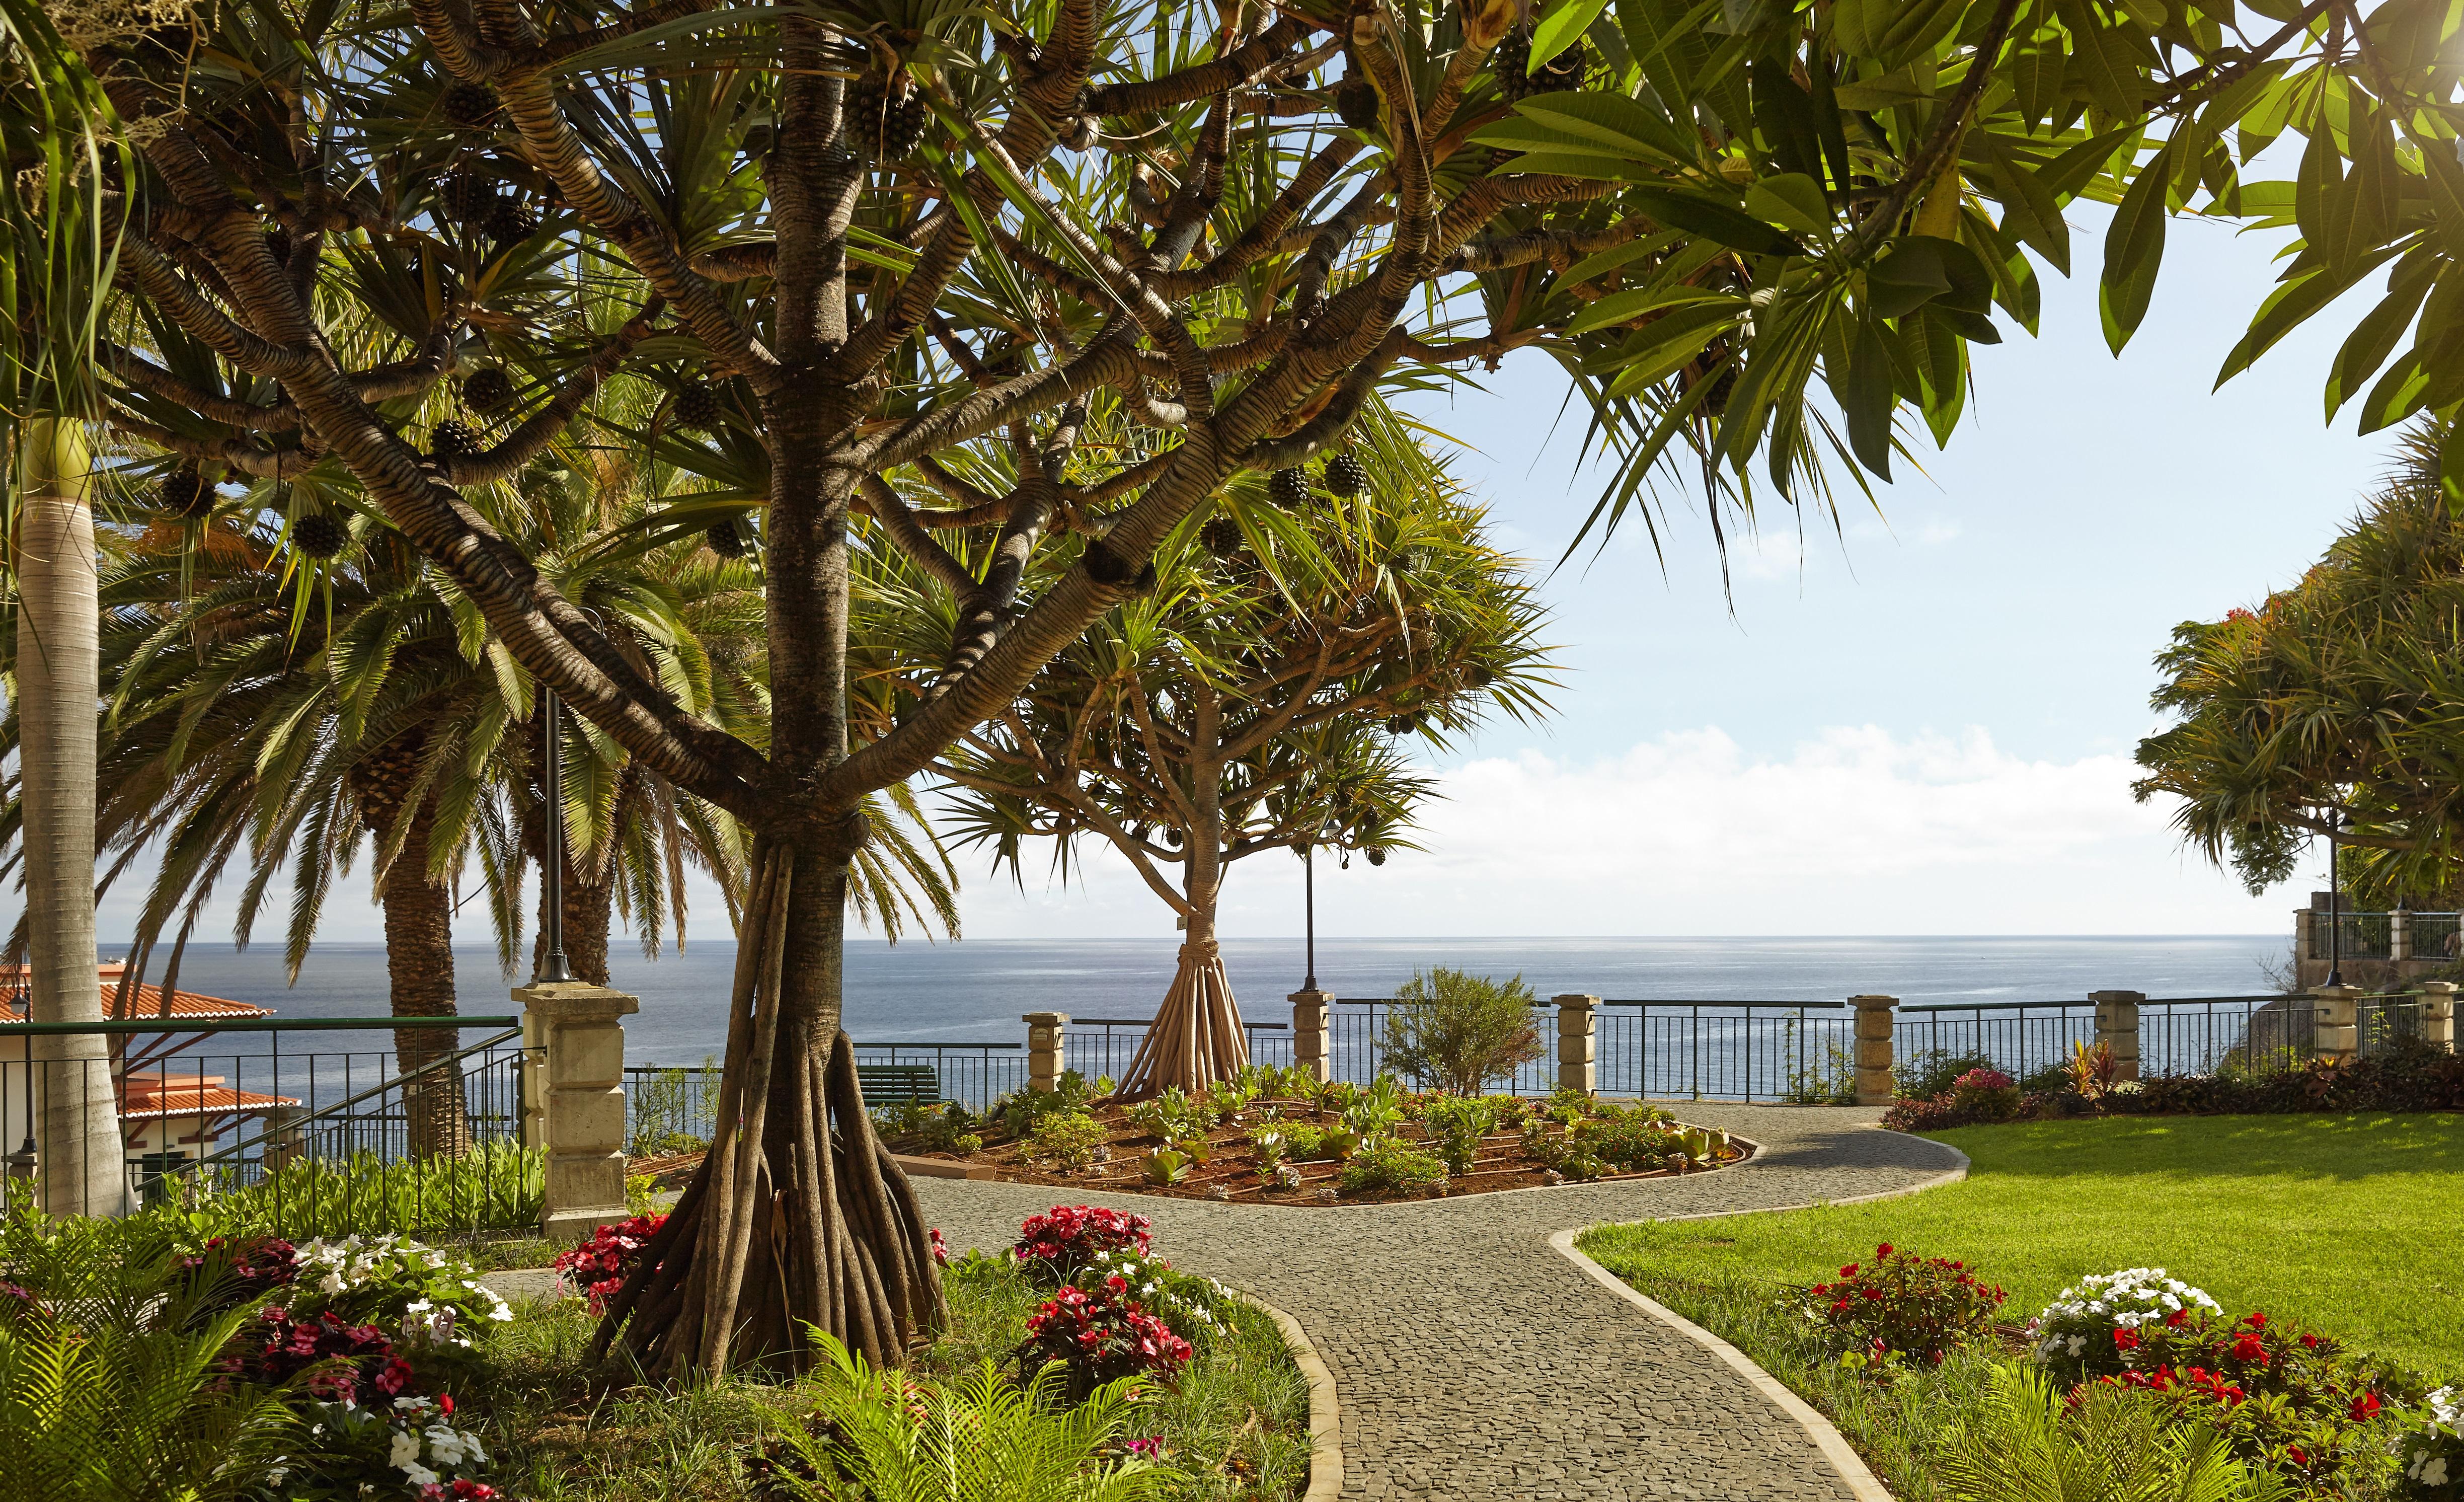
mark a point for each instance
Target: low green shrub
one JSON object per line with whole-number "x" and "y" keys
{"x": 1068, "y": 1137}
{"x": 1019, "y": 1112}
{"x": 1389, "y": 1163}
{"x": 1456, "y": 1031}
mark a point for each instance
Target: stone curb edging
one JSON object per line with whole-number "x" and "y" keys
{"x": 1861, "y": 1483}
{"x": 1853, "y": 1473}
{"x": 1326, "y": 1415}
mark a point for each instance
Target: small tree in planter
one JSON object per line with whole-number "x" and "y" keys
{"x": 1260, "y": 699}
{"x": 1458, "y": 1030}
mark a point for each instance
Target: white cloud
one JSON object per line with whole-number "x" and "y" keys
{"x": 1855, "y": 831}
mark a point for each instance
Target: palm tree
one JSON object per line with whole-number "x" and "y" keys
{"x": 57, "y": 132}
{"x": 270, "y": 706}
{"x": 1258, "y": 699}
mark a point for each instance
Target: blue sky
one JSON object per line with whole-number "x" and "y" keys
{"x": 1919, "y": 723}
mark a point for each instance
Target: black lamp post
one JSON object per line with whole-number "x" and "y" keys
{"x": 1309, "y": 895}
{"x": 554, "y": 966}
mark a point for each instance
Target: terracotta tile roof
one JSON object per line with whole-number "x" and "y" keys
{"x": 149, "y": 1097}
{"x": 144, "y": 1002}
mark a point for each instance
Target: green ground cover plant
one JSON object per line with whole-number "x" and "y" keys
{"x": 2338, "y": 1219}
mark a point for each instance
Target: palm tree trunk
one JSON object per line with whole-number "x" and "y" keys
{"x": 60, "y": 662}
{"x": 419, "y": 960}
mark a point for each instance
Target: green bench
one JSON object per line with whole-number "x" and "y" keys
{"x": 899, "y": 1084}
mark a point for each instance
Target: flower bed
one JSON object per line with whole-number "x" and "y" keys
{"x": 1076, "y": 1358}
{"x": 2135, "y": 1368}
{"x": 1277, "y": 1137}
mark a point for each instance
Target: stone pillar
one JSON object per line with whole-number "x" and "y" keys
{"x": 2117, "y": 1028}
{"x": 2438, "y": 1014}
{"x": 2335, "y": 1017}
{"x": 578, "y": 1031}
{"x": 1578, "y": 1025}
{"x": 2399, "y": 935}
{"x": 1874, "y": 1048}
{"x": 1047, "y": 1036}
{"x": 2301, "y": 936}
{"x": 1310, "y": 1050}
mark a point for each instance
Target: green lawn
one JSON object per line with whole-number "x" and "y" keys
{"x": 2349, "y": 1224}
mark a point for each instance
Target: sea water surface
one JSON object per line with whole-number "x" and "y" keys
{"x": 975, "y": 990}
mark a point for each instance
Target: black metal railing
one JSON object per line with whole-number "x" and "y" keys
{"x": 265, "y": 1124}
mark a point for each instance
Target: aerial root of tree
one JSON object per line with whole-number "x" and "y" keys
{"x": 797, "y": 1219}
{"x": 1196, "y": 1039}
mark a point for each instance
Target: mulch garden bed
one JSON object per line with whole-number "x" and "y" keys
{"x": 1234, "y": 1170}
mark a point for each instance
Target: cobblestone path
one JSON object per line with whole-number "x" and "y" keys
{"x": 1473, "y": 1362}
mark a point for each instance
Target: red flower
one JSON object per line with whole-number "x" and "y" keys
{"x": 2297, "y": 1455}
{"x": 2366, "y": 1407}
{"x": 2250, "y": 1348}
{"x": 2177, "y": 1319}
{"x": 1882, "y": 1250}
{"x": 2256, "y": 1321}
{"x": 2125, "y": 1339}
{"x": 2311, "y": 1342}
{"x": 1848, "y": 1272}
{"x": 445, "y": 1402}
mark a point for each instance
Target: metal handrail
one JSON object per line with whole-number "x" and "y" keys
{"x": 298, "y": 1123}
{"x": 40, "y": 1029}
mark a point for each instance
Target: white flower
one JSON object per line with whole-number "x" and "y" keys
{"x": 405, "y": 1450}
{"x": 419, "y": 1476}
{"x": 2079, "y": 1344}
{"x": 331, "y": 1283}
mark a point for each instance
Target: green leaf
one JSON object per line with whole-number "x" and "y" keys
{"x": 2036, "y": 82}
{"x": 2446, "y": 178}
{"x": 2398, "y": 395}
{"x": 2290, "y": 305}
{"x": 1791, "y": 200}
{"x": 2105, "y": 57}
{"x": 2450, "y": 468}
{"x": 1867, "y": 397}
{"x": 2134, "y": 248}
{"x": 1684, "y": 209}
{"x": 1914, "y": 28}
{"x": 1908, "y": 278}
{"x": 1619, "y": 306}
{"x": 1901, "y": 87}
{"x": 1609, "y": 122}
{"x": 1615, "y": 256}
{"x": 1560, "y": 28}
{"x": 2030, "y": 214}
{"x": 2374, "y": 337}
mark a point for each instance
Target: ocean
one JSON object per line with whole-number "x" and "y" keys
{"x": 974, "y": 991}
